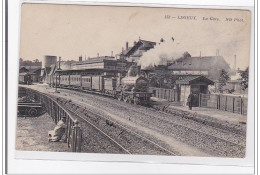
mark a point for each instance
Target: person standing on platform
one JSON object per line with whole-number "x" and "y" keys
{"x": 190, "y": 100}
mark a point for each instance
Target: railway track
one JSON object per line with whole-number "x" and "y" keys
{"x": 231, "y": 143}
{"x": 165, "y": 117}
{"x": 234, "y": 129}
{"x": 209, "y": 140}
{"x": 121, "y": 137}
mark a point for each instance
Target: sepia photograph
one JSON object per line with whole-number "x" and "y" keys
{"x": 133, "y": 80}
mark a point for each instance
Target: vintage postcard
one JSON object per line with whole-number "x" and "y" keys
{"x": 133, "y": 80}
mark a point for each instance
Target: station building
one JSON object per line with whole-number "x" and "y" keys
{"x": 209, "y": 66}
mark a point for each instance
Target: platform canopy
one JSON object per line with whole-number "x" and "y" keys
{"x": 191, "y": 79}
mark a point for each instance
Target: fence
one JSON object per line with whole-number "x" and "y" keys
{"x": 167, "y": 94}
{"x": 73, "y": 133}
{"x": 224, "y": 102}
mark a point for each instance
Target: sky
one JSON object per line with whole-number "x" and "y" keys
{"x": 73, "y": 30}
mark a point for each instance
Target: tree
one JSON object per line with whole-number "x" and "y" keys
{"x": 162, "y": 79}
{"x": 223, "y": 78}
{"x": 244, "y": 78}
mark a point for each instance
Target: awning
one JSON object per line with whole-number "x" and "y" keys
{"x": 188, "y": 80}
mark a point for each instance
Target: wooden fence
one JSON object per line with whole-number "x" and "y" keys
{"x": 222, "y": 102}
{"x": 73, "y": 132}
{"x": 167, "y": 94}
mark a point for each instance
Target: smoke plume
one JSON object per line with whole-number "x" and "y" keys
{"x": 163, "y": 51}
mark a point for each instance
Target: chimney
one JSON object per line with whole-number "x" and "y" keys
{"x": 59, "y": 61}
{"x": 98, "y": 55}
{"x": 80, "y": 58}
{"x": 235, "y": 62}
{"x": 126, "y": 45}
{"x": 111, "y": 53}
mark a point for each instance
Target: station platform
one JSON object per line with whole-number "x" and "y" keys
{"x": 217, "y": 115}
{"x": 32, "y": 135}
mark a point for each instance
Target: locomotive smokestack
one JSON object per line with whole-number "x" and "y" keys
{"x": 80, "y": 58}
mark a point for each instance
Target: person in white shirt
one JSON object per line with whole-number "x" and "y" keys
{"x": 59, "y": 130}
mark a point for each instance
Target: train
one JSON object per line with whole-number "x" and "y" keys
{"x": 131, "y": 88}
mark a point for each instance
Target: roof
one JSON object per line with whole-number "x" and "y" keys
{"x": 141, "y": 44}
{"x": 34, "y": 70}
{"x": 94, "y": 60}
{"x": 26, "y": 73}
{"x": 191, "y": 79}
{"x": 23, "y": 69}
{"x": 199, "y": 63}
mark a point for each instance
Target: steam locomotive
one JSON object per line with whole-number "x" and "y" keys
{"x": 131, "y": 88}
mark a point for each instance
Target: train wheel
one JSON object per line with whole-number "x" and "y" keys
{"x": 125, "y": 98}
{"x": 129, "y": 100}
{"x": 120, "y": 97}
{"x": 32, "y": 112}
{"x": 136, "y": 101}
